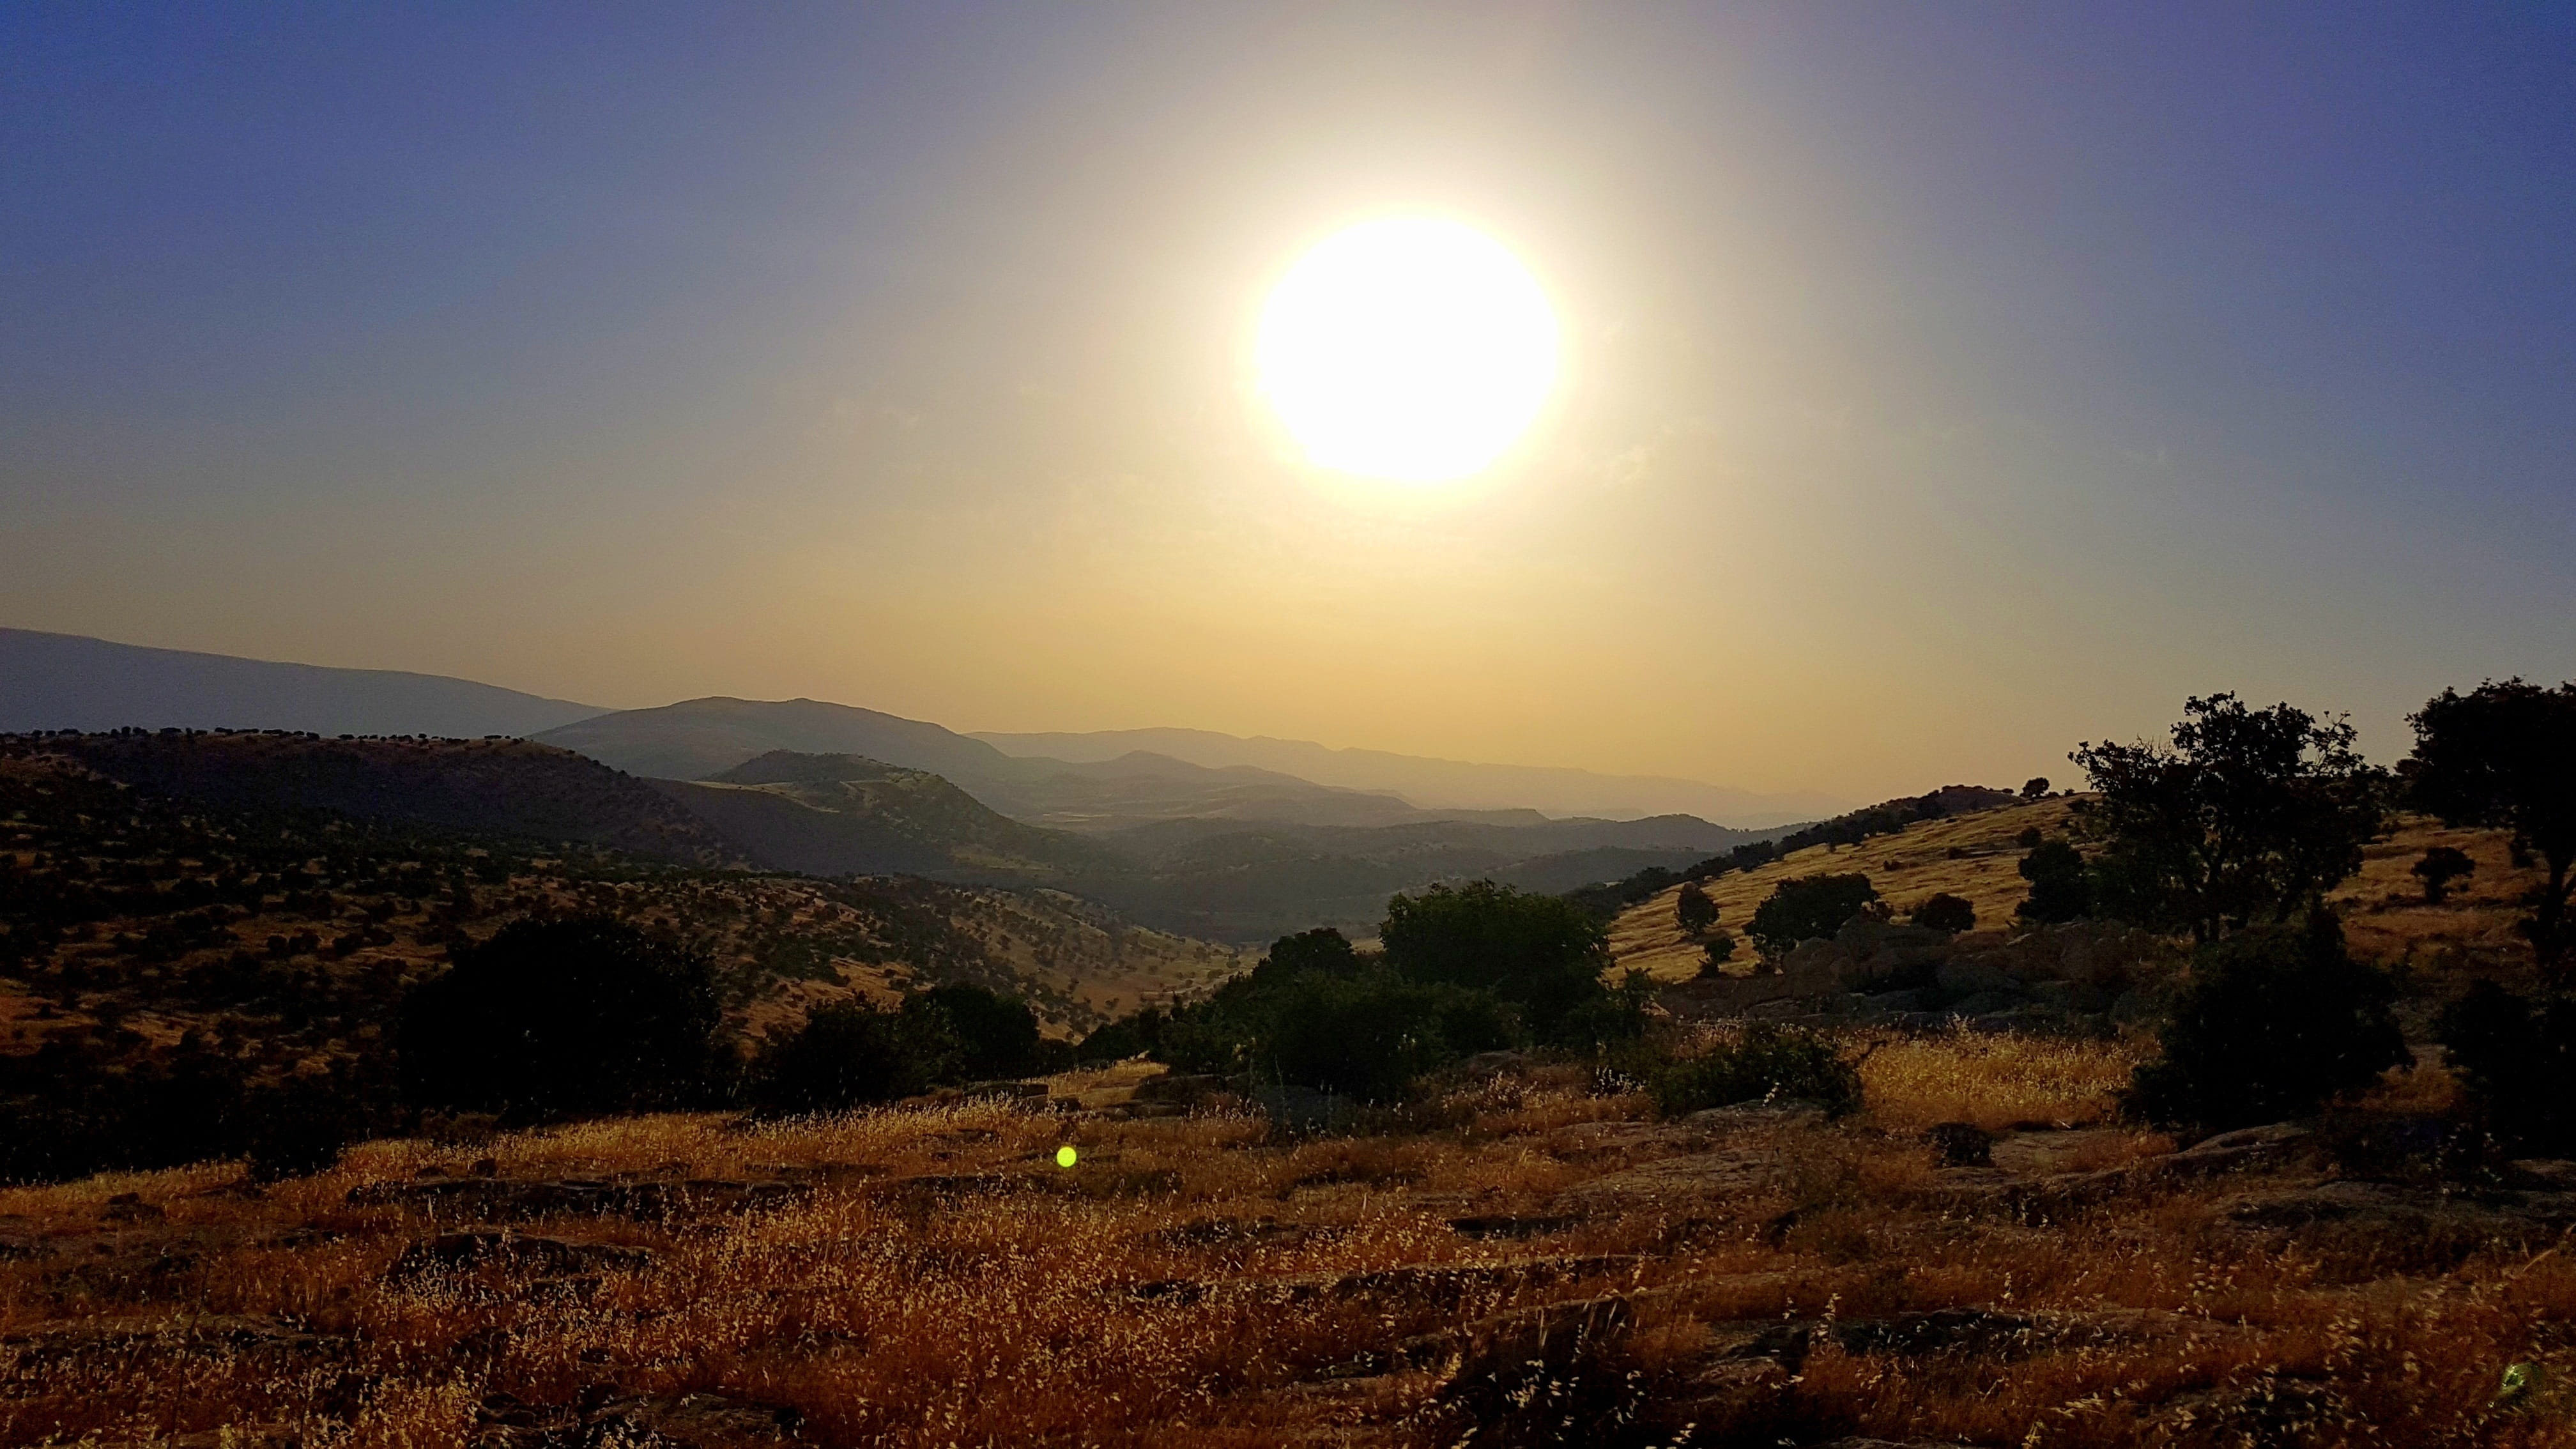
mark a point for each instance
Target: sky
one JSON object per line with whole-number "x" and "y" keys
{"x": 1943, "y": 385}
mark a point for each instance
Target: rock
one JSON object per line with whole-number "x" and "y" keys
{"x": 491, "y": 1200}
{"x": 1988, "y": 1003}
{"x": 2376, "y": 1216}
{"x": 1694, "y": 1176}
{"x": 129, "y": 1207}
{"x": 2035, "y": 1153}
{"x": 1738, "y": 1116}
{"x": 2553, "y": 1174}
{"x": 1012, "y": 1091}
{"x": 1176, "y": 1087}
{"x": 517, "y": 1252}
{"x": 1437, "y": 1286}
{"x": 2071, "y": 996}
{"x": 1919, "y": 998}
{"x": 1973, "y": 977}
{"x": 1959, "y": 1144}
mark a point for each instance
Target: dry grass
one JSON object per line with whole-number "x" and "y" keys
{"x": 946, "y": 1284}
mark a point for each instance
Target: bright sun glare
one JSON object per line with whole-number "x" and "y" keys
{"x": 1409, "y": 348}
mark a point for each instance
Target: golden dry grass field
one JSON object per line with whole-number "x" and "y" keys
{"x": 1533, "y": 1261}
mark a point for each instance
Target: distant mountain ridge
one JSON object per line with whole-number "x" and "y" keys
{"x": 68, "y": 681}
{"x": 1436, "y": 784}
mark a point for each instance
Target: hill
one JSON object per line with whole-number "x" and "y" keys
{"x": 845, "y": 815}
{"x": 65, "y": 681}
{"x": 1436, "y": 784}
{"x": 1977, "y": 856}
{"x": 491, "y": 786}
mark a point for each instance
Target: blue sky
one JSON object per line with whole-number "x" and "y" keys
{"x": 1947, "y": 384}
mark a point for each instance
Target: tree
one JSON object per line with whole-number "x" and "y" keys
{"x": 2059, "y": 888}
{"x": 1541, "y": 953}
{"x": 1807, "y": 906}
{"x": 550, "y": 1018}
{"x": 1946, "y": 912}
{"x": 2271, "y": 1023}
{"x": 1718, "y": 949}
{"x": 2441, "y": 865}
{"x": 850, "y": 1054}
{"x": 2517, "y": 1058}
{"x": 1370, "y": 1036}
{"x": 1693, "y": 910}
{"x": 2505, "y": 755}
{"x": 2251, "y": 816}
{"x": 2035, "y": 788}
{"x": 996, "y": 1036}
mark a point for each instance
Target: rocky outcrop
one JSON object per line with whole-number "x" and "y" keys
{"x": 2082, "y": 976}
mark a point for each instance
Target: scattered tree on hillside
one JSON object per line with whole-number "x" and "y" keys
{"x": 849, "y": 1054}
{"x": 2505, "y": 755}
{"x": 2517, "y": 1057}
{"x": 2250, "y": 816}
{"x": 2035, "y": 788}
{"x": 554, "y": 1018}
{"x": 1718, "y": 950}
{"x": 1805, "y": 907}
{"x": 2441, "y": 865}
{"x": 2060, "y": 890}
{"x": 1693, "y": 911}
{"x": 1946, "y": 912}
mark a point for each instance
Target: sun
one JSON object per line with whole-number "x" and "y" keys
{"x": 1413, "y": 349}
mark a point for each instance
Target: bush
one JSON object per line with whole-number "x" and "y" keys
{"x": 2441, "y": 865}
{"x": 1541, "y": 953}
{"x": 2517, "y": 1058}
{"x": 1767, "y": 1063}
{"x": 2271, "y": 1023}
{"x": 1946, "y": 912}
{"x": 1719, "y": 949}
{"x": 1808, "y": 906}
{"x": 1693, "y": 911}
{"x": 1370, "y": 1036}
{"x": 849, "y": 1054}
{"x": 550, "y": 1018}
{"x": 2059, "y": 889}
{"x": 995, "y": 1035}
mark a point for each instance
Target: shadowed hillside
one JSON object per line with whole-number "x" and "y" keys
{"x": 65, "y": 681}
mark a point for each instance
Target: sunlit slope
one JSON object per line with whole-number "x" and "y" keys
{"x": 2386, "y": 917}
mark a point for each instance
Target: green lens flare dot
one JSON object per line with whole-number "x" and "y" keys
{"x": 1065, "y": 1156}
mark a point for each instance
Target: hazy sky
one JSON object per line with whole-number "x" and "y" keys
{"x": 1945, "y": 383}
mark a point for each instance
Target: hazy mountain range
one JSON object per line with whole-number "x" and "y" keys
{"x": 1231, "y": 851}
{"x": 65, "y": 681}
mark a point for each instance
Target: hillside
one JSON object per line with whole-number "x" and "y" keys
{"x": 492, "y": 786}
{"x": 65, "y": 681}
{"x": 844, "y": 815}
{"x": 1437, "y": 784}
{"x": 1976, "y": 856}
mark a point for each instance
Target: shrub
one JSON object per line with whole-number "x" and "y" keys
{"x": 1808, "y": 906}
{"x": 2505, "y": 755}
{"x": 996, "y": 1036}
{"x": 2035, "y": 788}
{"x": 2059, "y": 890}
{"x": 1719, "y": 949}
{"x": 2517, "y": 1058}
{"x": 849, "y": 1054}
{"x": 1693, "y": 911}
{"x": 1946, "y": 912}
{"x": 1541, "y": 953}
{"x": 2271, "y": 1023}
{"x": 1766, "y": 1063}
{"x": 1370, "y": 1036}
{"x": 2441, "y": 865}
{"x": 550, "y": 1018}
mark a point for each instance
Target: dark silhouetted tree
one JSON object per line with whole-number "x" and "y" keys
{"x": 2035, "y": 788}
{"x": 2251, "y": 816}
{"x": 2059, "y": 887}
{"x": 2270, "y": 1024}
{"x": 1541, "y": 953}
{"x": 848, "y": 1055}
{"x": 1946, "y": 912}
{"x": 1805, "y": 907}
{"x": 996, "y": 1036}
{"x": 2517, "y": 1058}
{"x": 551, "y": 1018}
{"x": 2441, "y": 865}
{"x": 2505, "y": 755}
{"x": 1693, "y": 911}
{"x": 1717, "y": 951}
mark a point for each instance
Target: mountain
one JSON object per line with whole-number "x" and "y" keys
{"x": 1434, "y": 784}
{"x": 846, "y": 815}
{"x": 499, "y": 787}
{"x": 701, "y": 738}
{"x": 66, "y": 681}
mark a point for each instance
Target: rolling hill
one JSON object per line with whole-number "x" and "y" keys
{"x": 68, "y": 682}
